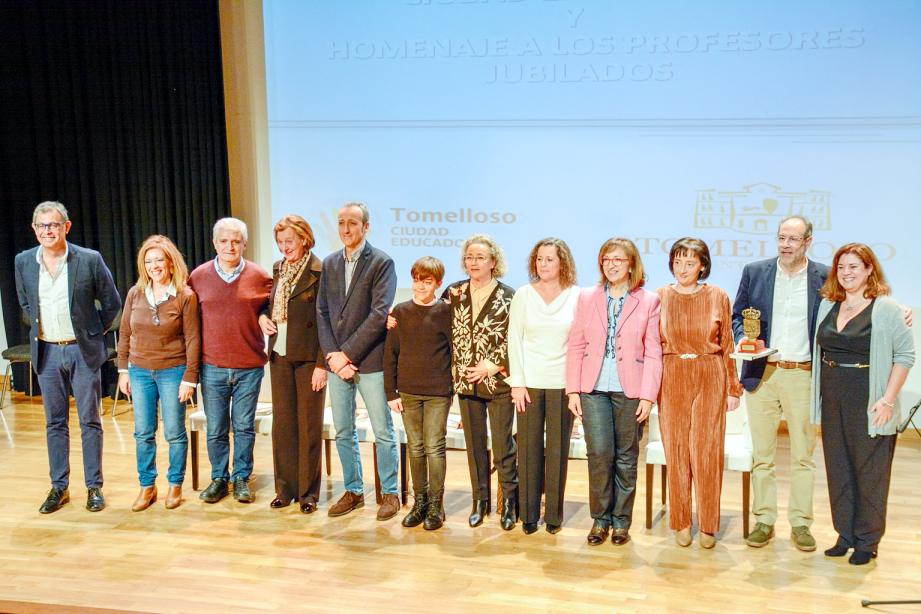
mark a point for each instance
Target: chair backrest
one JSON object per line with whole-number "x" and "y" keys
{"x": 737, "y": 421}
{"x": 653, "y": 430}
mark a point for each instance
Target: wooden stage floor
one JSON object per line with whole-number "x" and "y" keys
{"x": 231, "y": 557}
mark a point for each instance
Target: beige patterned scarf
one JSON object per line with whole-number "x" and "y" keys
{"x": 288, "y": 276}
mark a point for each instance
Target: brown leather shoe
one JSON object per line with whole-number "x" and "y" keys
{"x": 146, "y": 498}
{"x": 173, "y": 497}
{"x": 619, "y": 537}
{"x": 599, "y": 533}
{"x": 390, "y": 507}
{"x": 348, "y": 502}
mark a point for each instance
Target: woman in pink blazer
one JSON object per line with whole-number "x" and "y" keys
{"x": 613, "y": 371}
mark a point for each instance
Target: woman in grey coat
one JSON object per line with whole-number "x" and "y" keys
{"x": 864, "y": 350}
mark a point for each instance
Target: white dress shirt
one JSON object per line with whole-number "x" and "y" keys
{"x": 790, "y": 317}
{"x": 54, "y": 301}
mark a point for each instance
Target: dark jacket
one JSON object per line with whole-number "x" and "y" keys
{"x": 94, "y": 301}
{"x": 303, "y": 343}
{"x": 756, "y": 289}
{"x": 354, "y": 322}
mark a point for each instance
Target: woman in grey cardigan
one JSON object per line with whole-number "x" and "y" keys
{"x": 864, "y": 350}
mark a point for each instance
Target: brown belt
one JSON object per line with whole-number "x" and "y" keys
{"x": 68, "y": 342}
{"x": 786, "y": 364}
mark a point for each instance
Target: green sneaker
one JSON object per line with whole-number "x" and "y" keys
{"x": 761, "y": 536}
{"x": 802, "y": 539}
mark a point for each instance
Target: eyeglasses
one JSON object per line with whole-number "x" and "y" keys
{"x": 790, "y": 240}
{"x": 613, "y": 261}
{"x": 48, "y": 226}
{"x": 477, "y": 259}
{"x": 156, "y": 315}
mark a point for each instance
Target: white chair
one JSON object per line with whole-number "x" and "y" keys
{"x": 198, "y": 423}
{"x": 737, "y": 457}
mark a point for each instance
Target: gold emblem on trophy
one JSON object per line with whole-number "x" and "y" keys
{"x": 751, "y": 326}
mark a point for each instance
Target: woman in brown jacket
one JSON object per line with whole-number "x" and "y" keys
{"x": 297, "y": 367}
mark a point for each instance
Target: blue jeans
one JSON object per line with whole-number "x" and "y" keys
{"x": 342, "y": 397}
{"x": 612, "y": 440}
{"x": 147, "y": 387}
{"x": 230, "y": 397}
{"x": 63, "y": 371}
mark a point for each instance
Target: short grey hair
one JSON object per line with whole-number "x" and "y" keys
{"x": 47, "y": 207}
{"x": 807, "y": 233}
{"x": 365, "y": 214}
{"x": 232, "y": 224}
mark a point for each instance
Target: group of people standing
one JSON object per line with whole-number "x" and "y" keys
{"x": 546, "y": 353}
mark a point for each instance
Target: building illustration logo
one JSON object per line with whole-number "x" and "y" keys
{"x": 759, "y": 207}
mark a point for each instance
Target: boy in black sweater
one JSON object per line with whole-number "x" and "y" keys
{"x": 417, "y": 378}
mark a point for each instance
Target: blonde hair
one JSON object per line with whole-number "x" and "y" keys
{"x": 180, "y": 272}
{"x": 498, "y": 256}
{"x": 300, "y": 227}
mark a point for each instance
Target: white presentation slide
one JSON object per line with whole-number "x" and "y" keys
{"x": 584, "y": 120}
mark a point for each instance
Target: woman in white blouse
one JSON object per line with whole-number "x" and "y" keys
{"x": 541, "y": 315}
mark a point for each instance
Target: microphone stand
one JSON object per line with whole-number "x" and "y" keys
{"x": 901, "y": 429}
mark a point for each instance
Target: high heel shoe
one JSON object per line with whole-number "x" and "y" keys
{"x": 509, "y": 512}
{"x": 146, "y": 498}
{"x": 861, "y": 557}
{"x": 173, "y": 496}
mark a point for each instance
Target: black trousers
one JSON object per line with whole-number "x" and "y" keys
{"x": 543, "y": 468}
{"x": 297, "y": 429}
{"x": 501, "y": 414}
{"x": 858, "y": 466}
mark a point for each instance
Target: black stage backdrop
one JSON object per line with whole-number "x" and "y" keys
{"x": 116, "y": 109}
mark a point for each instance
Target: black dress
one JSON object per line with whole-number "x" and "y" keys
{"x": 858, "y": 466}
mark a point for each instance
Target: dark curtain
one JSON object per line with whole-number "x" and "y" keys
{"x": 116, "y": 109}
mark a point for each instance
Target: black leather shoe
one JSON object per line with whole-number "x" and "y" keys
{"x": 553, "y": 529}
{"x": 308, "y": 507}
{"x": 619, "y": 537}
{"x": 529, "y": 527}
{"x": 861, "y": 557}
{"x": 216, "y": 491}
{"x": 478, "y": 513}
{"x": 599, "y": 533}
{"x": 509, "y": 513}
{"x": 416, "y": 515}
{"x": 278, "y": 503}
{"x": 95, "y": 502}
{"x": 55, "y": 500}
{"x": 241, "y": 491}
{"x": 839, "y": 549}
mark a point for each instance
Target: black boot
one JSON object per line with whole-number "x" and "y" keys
{"x": 478, "y": 513}
{"x": 435, "y": 516}
{"x": 509, "y": 512}
{"x": 417, "y": 514}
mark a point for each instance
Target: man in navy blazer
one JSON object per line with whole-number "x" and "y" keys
{"x": 71, "y": 300}
{"x": 786, "y": 292}
{"x": 357, "y": 287}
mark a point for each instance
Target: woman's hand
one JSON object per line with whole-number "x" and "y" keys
{"x": 478, "y": 373}
{"x": 185, "y": 392}
{"x": 520, "y": 398}
{"x": 391, "y": 321}
{"x": 882, "y": 413}
{"x": 396, "y": 405}
{"x": 318, "y": 379}
{"x": 643, "y": 410}
{"x": 732, "y": 404}
{"x": 124, "y": 384}
{"x": 267, "y": 325}
{"x": 575, "y": 404}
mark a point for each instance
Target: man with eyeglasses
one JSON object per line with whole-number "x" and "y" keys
{"x": 786, "y": 292}
{"x": 71, "y": 300}
{"x": 357, "y": 287}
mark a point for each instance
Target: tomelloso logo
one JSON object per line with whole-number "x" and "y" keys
{"x": 759, "y": 207}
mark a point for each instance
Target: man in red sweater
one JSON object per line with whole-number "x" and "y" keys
{"x": 232, "y": 292}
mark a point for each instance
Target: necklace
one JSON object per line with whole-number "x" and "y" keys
{"x": 853, "y": 307}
